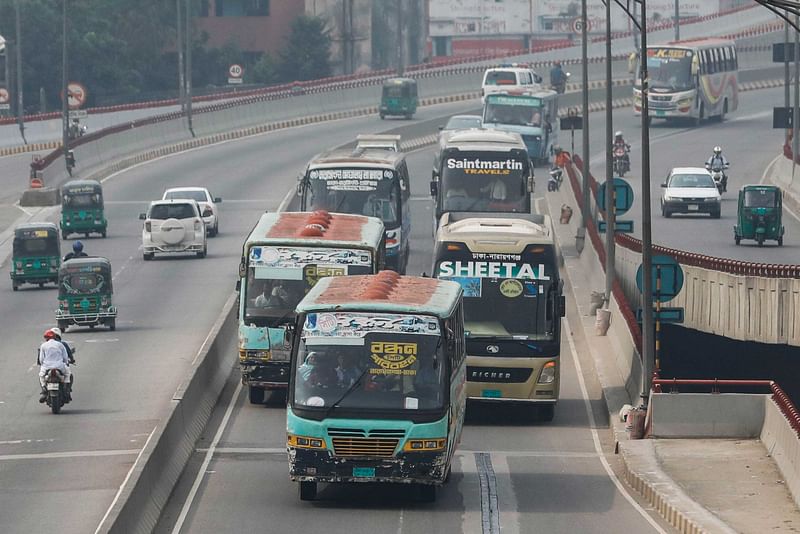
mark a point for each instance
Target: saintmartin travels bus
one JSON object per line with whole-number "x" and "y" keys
{"x": 690, "y": 79}
{"x": 513, "y": 304}
{"x": 532, "y": 114}
{"x": 377, "y": 389}
{"x": 370, "y": 182}
{"x": 282, "y": 258}
{"x": 482, "y": 171}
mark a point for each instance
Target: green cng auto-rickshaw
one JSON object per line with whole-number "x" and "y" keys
{"x": 759, "y": 214}
{"x": 84, "y": 293}
{"x": 399, "y": 97}
{"x": 82, "y": 208}
{"x": 36, "y": 254}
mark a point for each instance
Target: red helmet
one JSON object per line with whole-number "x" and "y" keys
{"x": 49, "y": 334}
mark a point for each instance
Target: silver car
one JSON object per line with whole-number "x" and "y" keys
{"x": 690, "y": 190}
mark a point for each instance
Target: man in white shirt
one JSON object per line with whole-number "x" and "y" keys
{"x": 52, "y": 355}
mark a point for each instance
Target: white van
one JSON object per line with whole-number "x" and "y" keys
{"x": 509, "y": 78}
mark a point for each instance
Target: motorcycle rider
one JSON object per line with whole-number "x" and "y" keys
{"x": 76, "y": 130}
{"x": 77, "y": 251}
{"x": 718, "y": 161}
{"x": 53, "y": 355}
{"x": 558, "y": 78}
{"x": 619, "y": 142}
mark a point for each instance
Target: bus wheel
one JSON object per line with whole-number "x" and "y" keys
{"x": 699, "y": 120}
{"x": 547, "y": 412}
{"x": 426, "y": 492}
{"x": 308, "y": 491}
{"x": 256, "y": 395}
{"x": 724, "y": 111}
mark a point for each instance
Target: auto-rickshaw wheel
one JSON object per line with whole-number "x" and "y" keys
{"x": 780, "y": 241}
{"x": 62, "y": 325}
{"x": 308, "y": 491}
{"x": 760, "y": 239}
{"x": 15, "y": 285}
{"x": 383, "y": 116}
{"x": 111, "y": 324}
{"x": 41, "y": 284}
{"x": 103, "y": 233}
{"x": 737, "y": 239}
{"x": 64, "y": 236}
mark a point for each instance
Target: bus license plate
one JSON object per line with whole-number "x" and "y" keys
{"x": 693, "y": 207}
{"x": 660, "y": 113}
{"x": 491, "y": 393}
{"x": 364, "y": 472}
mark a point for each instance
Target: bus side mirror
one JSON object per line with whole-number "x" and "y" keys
{"x": 142, "y": 216}
{"x": 434, "y": 188}
{"x": 531, "y": 184}
{"x": 238, "y": 285}
{"x": 562, "y": 306}
{"x": 217, "y": 200}
{"x": 695, "y": 66}
{"x": 242, "y": 270}
{"x": 441, "y": 127}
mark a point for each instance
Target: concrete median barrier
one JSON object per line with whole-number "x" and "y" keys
{"x": 48, "y": 196}
{"x": 158, "y": 467}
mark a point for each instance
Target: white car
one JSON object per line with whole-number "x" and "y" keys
{"x": 208, "y": 204}
{"x": 509, "y": 78}
{"x": 690, "y": 190}
{"x": 173, "y": 226}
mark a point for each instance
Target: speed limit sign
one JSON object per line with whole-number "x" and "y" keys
{"x": 577, "y": 25}
{"x": 235, "y": 73}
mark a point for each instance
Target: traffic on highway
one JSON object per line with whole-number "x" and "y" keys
{"x": 385, "y": 325}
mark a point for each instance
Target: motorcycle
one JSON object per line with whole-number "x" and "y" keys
{"x": 56, "y": 390}
{"x": 554, "y": 182}
{"x": 621, "y": 164}
{"x": 718, "y": 174}
{"x": 76, "y": 130}
{"x": 560, "y": 88}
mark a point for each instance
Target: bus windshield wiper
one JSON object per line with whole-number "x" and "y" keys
{"x": 347, "y": 392}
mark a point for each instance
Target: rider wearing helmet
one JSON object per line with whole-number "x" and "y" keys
{"x": 718, "y": 161}
{"x": 77, "y": 251}
{"x": 52, "y": 355}
{"x": 619, "y": 142}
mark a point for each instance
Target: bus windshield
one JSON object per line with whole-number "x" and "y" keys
{"x": 506, "y": 296}
{"x": 669, "y": 68}
{"x": 279, "y": 277}
{"x": 484, "y": 182}
{"x": 519, "y": 111}
{"x": 370, "y": 362}
{"x": 371, "y": 192}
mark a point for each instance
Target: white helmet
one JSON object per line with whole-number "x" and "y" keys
{"x": 56, "y": 331}
{"x": 717, "y": 150}
{"x": 618, "y": 133}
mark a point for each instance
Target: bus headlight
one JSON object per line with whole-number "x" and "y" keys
{"x": 424, "y": 445}
{"x": 548, "y": 374}
{"x": 304, "y": 442}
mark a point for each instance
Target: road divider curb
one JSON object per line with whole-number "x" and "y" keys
{"x": 157, "y": 469}
{"x": 33, "y": 147}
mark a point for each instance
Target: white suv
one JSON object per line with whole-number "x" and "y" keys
{"x": 509, "y": 78}
{"x": 173, "y": 226}
{"x": 208, "y": 204}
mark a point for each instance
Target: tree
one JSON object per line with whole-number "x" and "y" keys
{"x": 307, "y": 54}
{"x": 265, "y": 70}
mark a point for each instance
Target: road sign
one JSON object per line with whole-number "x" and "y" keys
{"x": 235, "y": 71}
{"x": 665, "y": 315}
{"x": 781, "y": 52}
{"x": 624, "y": 196}
{"x": 667, "y": 278}
{"x": 78, "y": 114}
{"x": 620, "y": 227}
{"x": 5, "y": 106}
{"x": 76, "y": 94}
{"x": 782, "y": 118}
{"x": 574, "y": 122}
{"x": 5, "y": 97}
{"x": 234, "y": 81}
{"x": 577, "y": 25}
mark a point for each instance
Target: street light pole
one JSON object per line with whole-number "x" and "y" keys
{"x": 18, "y": 50}
{"x": 64, "y": 82}
{"x": 610, "y": 200}
{"x": 189, "y": 65}
{"x": 648, "y": 327}
{"x": 677, "y": 22}
{"x": 179, "y": 40}
{"x": 580, "y": 239}
{"x": 796, "y": 111}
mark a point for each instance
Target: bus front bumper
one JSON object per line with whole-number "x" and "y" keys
{"x": 267, "y": 375}
{"x": 306, "y": 465}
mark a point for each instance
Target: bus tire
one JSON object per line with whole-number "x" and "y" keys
{"x": 724, "y": 111}
{"x": 699, "y": 119}
{"x": 426, "y": 492}
{"x": 308, "y": 491}
{"x": 255, "y": 395}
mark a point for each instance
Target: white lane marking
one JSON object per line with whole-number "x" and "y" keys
{"x": 596, "y": 439}
{"x": 102, "y": 340}
{"x": 506, "y": 494}
{"x": 207, "y": 460}
{"x": 26, "y": 441}
{"x": 124, "y": 266}
{"x": 124, "y": 482}
{"x": 400, "y": 523}
{"x": 471, "y": 516}
{"x": 23, "y": 210}
{"x": 202, "y": 346}
{"x": 67, "y": 454}
{"x": 764, "y": 179}
{"x": 287, "y": 199}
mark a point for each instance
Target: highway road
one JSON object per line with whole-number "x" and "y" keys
{"x": 126, "y": 378}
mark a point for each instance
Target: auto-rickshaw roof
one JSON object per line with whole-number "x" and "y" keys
{"x": 762, "y": 187}
{"x": 50, "y": 227}
{"x": 76, "y": 264}
{"x": 399, "y": 81}
{"x": 82, "y": 186}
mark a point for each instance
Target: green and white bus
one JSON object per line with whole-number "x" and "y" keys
{"x": 513, "y": 304}
{"x": 377, "y": 389}
{"x": 282, "y": 258}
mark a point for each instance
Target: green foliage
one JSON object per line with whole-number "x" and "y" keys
{"x": 265, "y": 71}
{"x": 307, "y": 53}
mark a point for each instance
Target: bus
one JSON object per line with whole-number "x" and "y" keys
{"x": 377, "y": 389}
{"x": 513, "y": 305}
{"x": 282, "y": 258}
{"x": 370, "y": 182}
{"x": 690, "y": 79}
{"x": 532, "y": 114}
{"x": 482, "y": 171}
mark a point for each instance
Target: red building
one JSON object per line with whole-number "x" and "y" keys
{"x": 256, "y": 26}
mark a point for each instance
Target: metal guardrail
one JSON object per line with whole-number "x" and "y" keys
{"x": 787, "y": 407}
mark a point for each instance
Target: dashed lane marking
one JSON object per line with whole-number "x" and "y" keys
{"x": 67, "y": 454}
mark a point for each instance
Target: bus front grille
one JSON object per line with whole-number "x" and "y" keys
{"x": 364, "y": 447}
